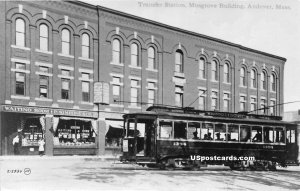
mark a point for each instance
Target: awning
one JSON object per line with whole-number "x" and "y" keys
{"x": 113, "y": 124}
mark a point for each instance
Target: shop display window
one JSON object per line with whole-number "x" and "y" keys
{"x": 32, "y": 132}
{"x": 74, "y": 132}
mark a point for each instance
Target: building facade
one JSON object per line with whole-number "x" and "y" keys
{"x": 70, "y": 70}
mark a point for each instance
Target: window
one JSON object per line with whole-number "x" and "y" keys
{"x": 279, "y": 135}
{"x": 233, "y": 133}
{"x": 134, "y": 92}
{"x": 85, "y": 91}
{"x": 253, "y": 104}
{"x": 242, "y": 103}
{"x": 253, "y": 79}
{"x": 263, "y": 105}
{"x": 202, "y": 68}
{"x": 207, "y": 131}
{"x": 226, "y": 101}
{"x": 263, "y": 79}
{"x": 256, "y": 134}
{"x": 20, "y": 83}
{"x": 44, "y": 84}
{"x": 268, "y": 135}
{"x": 179, "y": 61}
{"x": 65, "y": 89}
{"x": 220, "y": 132}
{"x": 151, "y": 58}
{"x": 20, "y": 32}
{"x": 179, "y": 96}
{"x": 272, "y": 107}
{"x": 226, "y": 73}
{"x": 290, "y": 136}
{"x": 165, "y": 129}
{"x": 44, "y": 36}
{"x": 193, "y": 130}
{"x": 243, "y": 77}
{"x": 179, "y": 130}
{"x": 151, "y": 93}
{"x": 202, "y": 99}
{"x": 116, "y": 89}
{"x": 65, "y": 42}
{"x": 134, "y": 55}
{"x": 214, "y": 100}
{"x": 214, "y": 71}
{"x": 245, "y": 133}
{"x": 273, "y": 83}
{"x": 116, "y": 50}
{"x": 20, "y": 66}
{"x": 85, "y": 45}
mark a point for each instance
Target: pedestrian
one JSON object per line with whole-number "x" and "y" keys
{"x": 41, "y": 146}
{"x": 16, "y": 142}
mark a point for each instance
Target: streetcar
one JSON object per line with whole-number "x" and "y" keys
{"x": 170, "y": 137}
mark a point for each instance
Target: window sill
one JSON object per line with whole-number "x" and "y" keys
{"x": 43, "y": 74}
{"x": 152, "y": 70}
{"x": 20, "y": 60}
{"x": 20, "y": 47}
{"x": 20, "y": 70}
{"x": 66, "y": 77}
{"x": 179, "y": 74}
{"x": 43, "y": 99}
{"x": 117, "y": 64}
{"x": 65, "y": 55}
{"x": 19, "y": 97}
{"x": 86, "y": 80}
{"x": 117, "y": 84}
{"x": 44, "y": 51}
{"x": 135, "y": 67}
{"x": 151, "y": 88}
{"x": 64, "y": 101}
{"x": 86, "y": 59}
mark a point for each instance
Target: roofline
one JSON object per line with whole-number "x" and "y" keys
{"x": 176, "y": 29}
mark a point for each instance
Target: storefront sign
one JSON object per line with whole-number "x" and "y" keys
{"x": 49, "y": 111}
{"x": 101, "y": 93}
{"x": 75, "y": 127}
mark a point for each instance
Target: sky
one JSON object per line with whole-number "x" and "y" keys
{"x": 262, "y": 26}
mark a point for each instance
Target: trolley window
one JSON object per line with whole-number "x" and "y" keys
{"x": 220, "y": 132}
{"x": 256, "y": 134}
{"x": 165, "y": 129}
{"x": 291, "y": 138}
{"x": 245, "y": 133}
{"x": 233, "y": 133}
{"x": 207, "y": 131}
{"x": 193, "y": 130}
{"x": 279, "y": 135}
{"x": 130, "y": 127}
{"x": 179, "y": 130}
{"x": 268, "y": 135}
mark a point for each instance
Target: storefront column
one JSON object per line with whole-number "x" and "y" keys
{"x": 48, "y": 136}
{"x": 101, "y": 136}
{"x": 298, "y": 138}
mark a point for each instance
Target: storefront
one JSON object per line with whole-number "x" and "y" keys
{"x": 66, "y": 131}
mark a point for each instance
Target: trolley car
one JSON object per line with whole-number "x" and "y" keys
{"x": 169, "y": 137}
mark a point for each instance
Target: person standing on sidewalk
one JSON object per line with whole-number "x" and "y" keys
{"x": 15, "y": 143}
{"x": 41, "y": 147}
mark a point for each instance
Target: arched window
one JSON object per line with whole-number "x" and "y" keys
{"x": 201, "y": 68}
{"x": 263, "y": 79}
{"x": 214, "y": 70}
{"x": 151, "y": 58}
{"x": 242, "y": 77}
{"x": 44, "y": 37}
{"x": 134, "y": 55}
{"x": 20, "y": 32}
{"x": 253, "y": 78}
{"x": 179, "y": 61}
{"x": 273, "y": 83}
{"x": 65, "y": 41}
{"x": 116, "y": 51}
{"x": 85, "y": 45}
{"x": 226, "y": 73}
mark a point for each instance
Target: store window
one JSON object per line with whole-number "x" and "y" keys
{"x": 65, "y": 42}
{"x": 32, "y": 131}
{"x": 44, "y": 37}
{"x": 20, "y": 32}
{"x": 75, "y": 132}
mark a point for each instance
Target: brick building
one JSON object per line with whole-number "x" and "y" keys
{"x": 70, "y": 70}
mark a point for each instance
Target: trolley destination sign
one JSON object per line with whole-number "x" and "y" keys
{"x": 49, "y": 111}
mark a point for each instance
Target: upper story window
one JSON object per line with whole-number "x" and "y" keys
{"x": 179, "y": 96}
{"x": 116, "y": 51}
{"x": 214, "y": 100}
{"x": 242, "y": 77}
{"x": 65, "y": 41}
{"x": 151, "y": 58}
{"x": 201, "y": 68}
{"x": 20, "y": 32}
{"x": 179, "y": 61}
{"x": 263, "y": 79}
{"x": 85, "y": 45}
{"x": 226, "y": 73}
{"x": 134, "y": 55}
{"x": 214, "y": 71}
{"x": 44, "y": 37}
{"x": 253, "y": 78}
{"x": 273, "y": 83}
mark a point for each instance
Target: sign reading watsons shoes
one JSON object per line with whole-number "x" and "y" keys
{"x": 48, "y": 111}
